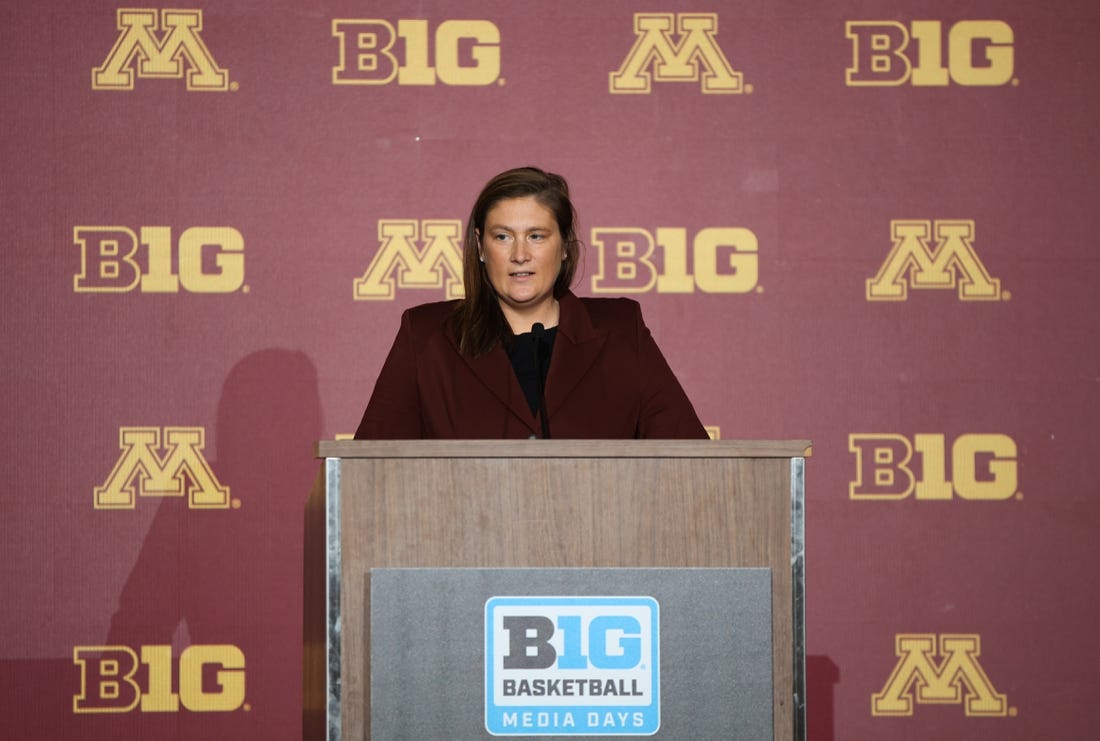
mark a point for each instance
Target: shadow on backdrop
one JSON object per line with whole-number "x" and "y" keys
{"x": 822, "y": 676}
{"x": 231, "y": 578}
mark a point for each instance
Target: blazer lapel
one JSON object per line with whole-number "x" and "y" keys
{"x": 495, "y": 372}
{"x": 576, "y": 348}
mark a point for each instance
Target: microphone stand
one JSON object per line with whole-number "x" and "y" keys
{"x": 538, "y": 333}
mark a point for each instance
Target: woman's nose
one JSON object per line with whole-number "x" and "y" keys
{"x": 520, "y": 251}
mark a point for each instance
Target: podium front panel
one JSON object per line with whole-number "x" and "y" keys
{"x": 570, "y": 653}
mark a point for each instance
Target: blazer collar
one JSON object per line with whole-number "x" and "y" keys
{"x": 576, "y": 347}
{"x": 494, "y": 371}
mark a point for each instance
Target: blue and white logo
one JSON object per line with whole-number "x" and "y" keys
{"x": 572, "y": 665}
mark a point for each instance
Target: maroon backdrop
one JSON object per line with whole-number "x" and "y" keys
{"x": 869, "y": 224}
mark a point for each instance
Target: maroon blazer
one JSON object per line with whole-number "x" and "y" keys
{"x": 607, "y": 379}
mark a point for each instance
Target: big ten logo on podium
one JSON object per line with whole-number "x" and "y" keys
{"x": 715, "y": 260}
{"x": 956, "y": 679}
{"x": 892, "y": 467}
{"x": 572, "y": 665}
{"x": 414, "y": 253}
{"x": 680, "y": 47}
{"x": 890, "y": 53}
{"x": 115, "y": 259}
{"x": 934, "y": 255}
{"x": 374, "y": 52}
{"x": 142, "y": 470}
{"x": 118, "y": 679}
{"x": 160, "y": 44}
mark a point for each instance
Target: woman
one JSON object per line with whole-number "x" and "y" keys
{"x": 520, "y": 355}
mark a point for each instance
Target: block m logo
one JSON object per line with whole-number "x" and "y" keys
{"x": 159, "y": 475}
{"x": 951, "y": 263}
{"x": 403, "y": 262}
{"x": 697, "y": 52}
{"x": 917, "y": 674}
{"x": 138, "y": 47}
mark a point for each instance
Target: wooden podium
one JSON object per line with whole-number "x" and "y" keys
{"x": 542, "y": 503}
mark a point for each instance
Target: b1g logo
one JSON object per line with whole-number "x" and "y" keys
{"x": 887, "y": 54}
{"x": 142, "y": 471}
{"x": 138, "y": 49}
{"x": 694, "y": 57}
{"x": 933, "y": 254}
{"x": 113, "y": 679}
{"x": 983, "y": 467}
{"x": 206, "y": 259}
{"x": 465, "y": 52}
{"x": 722, "y": 260}
{"x": 414, "y": 254}
{"x": 958, "y": 674}
{"x": 572, "y": 666}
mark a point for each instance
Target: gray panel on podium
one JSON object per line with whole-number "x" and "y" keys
{"x": 571, "y": 653}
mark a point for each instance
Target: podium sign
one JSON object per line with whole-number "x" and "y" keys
{"x": 578, "y": 653}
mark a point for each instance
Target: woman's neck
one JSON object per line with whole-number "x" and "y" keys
{"x": 521, "y": 321}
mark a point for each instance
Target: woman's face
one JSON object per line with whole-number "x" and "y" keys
{"x": 523, "y": 254}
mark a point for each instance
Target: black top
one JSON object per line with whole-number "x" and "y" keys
{"x": 531, "y": 361}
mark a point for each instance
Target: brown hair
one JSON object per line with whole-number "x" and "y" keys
{"x": 479, "y": 323}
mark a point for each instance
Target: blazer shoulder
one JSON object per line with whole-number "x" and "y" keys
{"x": 427, "y": 319}
{"x": 611, "y": 310}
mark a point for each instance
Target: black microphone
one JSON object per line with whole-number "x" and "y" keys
{"x": 538, "y": 334}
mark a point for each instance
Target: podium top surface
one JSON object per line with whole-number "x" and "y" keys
{"x": 563, "y": 449}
